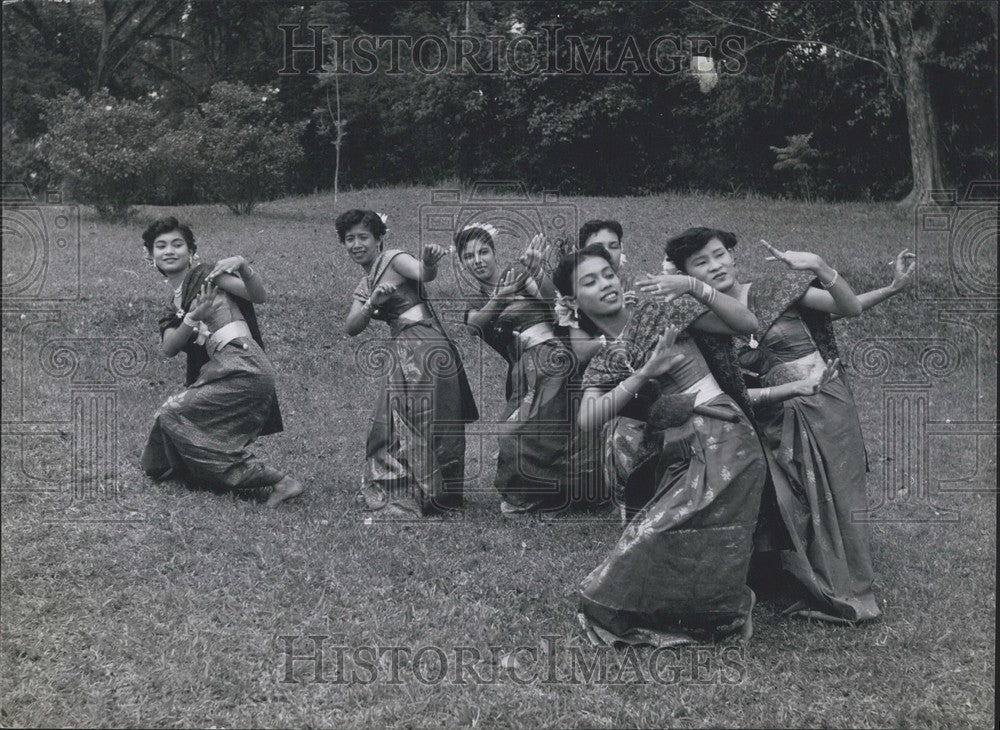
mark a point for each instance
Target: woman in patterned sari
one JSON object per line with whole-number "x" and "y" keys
{"x": 415, "y": 454}
{"x": 512, "y": 314}
{"x": 818, "y": 459}
{"x": 681, "y": 455}
{"x": 202, "y": 434}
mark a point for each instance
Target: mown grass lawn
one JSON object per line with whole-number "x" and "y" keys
{"x": 179, "y": 619}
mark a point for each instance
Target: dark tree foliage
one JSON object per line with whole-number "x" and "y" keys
{"x": 798, "y": 69}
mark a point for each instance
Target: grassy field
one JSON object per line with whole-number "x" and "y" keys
{"x": 185, "y": 615}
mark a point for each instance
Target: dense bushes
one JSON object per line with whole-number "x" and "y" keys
{"x": 113, "y": 154}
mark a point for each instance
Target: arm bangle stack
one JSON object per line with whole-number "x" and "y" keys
{"x": 836, "y": 275}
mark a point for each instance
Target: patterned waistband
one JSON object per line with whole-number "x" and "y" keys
{"x": 705, "y": 389}
{"x": 803, "y": 367}
{"x": 536, "y": 334}
{"x": 226, "y": 334}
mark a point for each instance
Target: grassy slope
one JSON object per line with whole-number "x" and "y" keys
{"x": 176, "y": 621}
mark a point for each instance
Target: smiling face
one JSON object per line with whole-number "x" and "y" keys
{"x": 362, "y": 245}
{"x": 171, "y": 253}
{"x": 612, "y": 244}
{"x": 713, "y": 264}
{"x": 597, "y": 287}
{"x": 480, "y": 259}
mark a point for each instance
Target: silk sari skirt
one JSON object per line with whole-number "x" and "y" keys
{"x": 202, "y": 435}
{"x": 415, "y": 453}
{"x": 533, "y": 468}
{"x": 818, "y": 467}
{"x": 679, "y": 570}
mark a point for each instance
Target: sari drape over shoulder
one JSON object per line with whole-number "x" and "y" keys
{"x": 202, "y": 434}
{"x": 816, "y": 454}
{"x": 679, "y": 570}
{"x": 415, "y": 452}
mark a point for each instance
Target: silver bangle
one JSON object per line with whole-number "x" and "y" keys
{"x": 190, "y": 321}
{"x": 625, "y": 388}
{"x": 836, "y": 275}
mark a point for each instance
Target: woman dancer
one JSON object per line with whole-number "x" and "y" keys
{"x": 202, "y": 434}
{"x": 815, "y": 439}
{"x": 415, "y": 454}
{"x": 513, "y": 316}
{"x": 677, "y": 446}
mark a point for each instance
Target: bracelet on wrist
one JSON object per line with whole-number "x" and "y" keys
{"x": 190, "y": 321}
{"x": 827, "y": 285}
{"x": 625, "y": 388}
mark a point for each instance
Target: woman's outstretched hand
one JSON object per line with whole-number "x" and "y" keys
{"x": 432, "y": 253}
{"x": 664, "y": 287}
{"x": 904, "y": 268}
{"x": 795, "y": 260}
{"x": 663, "y": 357}
{"x": 381, "y": 293}
{"x": 204, "y": 302}
{"x": 536, "y": 254}
{"x": 509, "y": 285}
{"x": 815, "y": 382}
{"x": 228, "y": 265}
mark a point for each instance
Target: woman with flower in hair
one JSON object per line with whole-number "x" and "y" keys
{"x": 202, "y": 434}
{"x": 806, "y": 414}
{"x": 512, "y": 314}
{"x": 681, "y": 455}
{"x": 415, "y": 454}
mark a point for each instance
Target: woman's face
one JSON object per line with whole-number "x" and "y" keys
{"x": 480, "y": 259}
{"x": 612, "y": 244}
{"x": 171, "y": 253}
{"x": 362, "y": 245}
{"x": 598, "y": 289}
{"x": 713, "y": 264}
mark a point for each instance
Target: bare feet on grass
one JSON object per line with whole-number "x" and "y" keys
{"x": 287, "y": 488}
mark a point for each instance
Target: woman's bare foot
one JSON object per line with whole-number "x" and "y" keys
{"x": 287, "y": 488}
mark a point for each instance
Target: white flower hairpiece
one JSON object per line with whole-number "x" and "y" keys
{"x": 384, "y": 217}
{"x": 622, "y": 259}
{"x": 566, "y": 314}
{"x": 668, "y": 267}
{"x": 494, "y": 233}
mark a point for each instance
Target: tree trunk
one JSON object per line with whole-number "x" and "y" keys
{"x": 925, "y": 153}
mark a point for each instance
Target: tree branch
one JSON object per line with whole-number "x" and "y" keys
{"x": 793, "y": 41}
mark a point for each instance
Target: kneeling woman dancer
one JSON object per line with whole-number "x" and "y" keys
{"x": 202, "y": 434}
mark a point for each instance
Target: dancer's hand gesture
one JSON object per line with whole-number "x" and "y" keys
{"x": 663, "y": 357}
{"x": 228, "y": 265}
{"x": 380, "y": 294}
{"x": 665, "y": 287}
{"x": 795, "y": 260}
{"x": 509, "y": 285}
{"x": 432, "y": 254}
{"x": 904, "y": 268}
{"x": 536, "y": 254}
{"x": 815, "y": 382}
{"x": 204, "y": 302}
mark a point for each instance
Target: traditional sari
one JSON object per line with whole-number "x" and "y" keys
{"x": 533, "y": 469}
{"x": 415, "y": 453}
{"x": 816, "y": 452}
{"x": 679, "y": 570}
{"x": 202, "y": 434}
